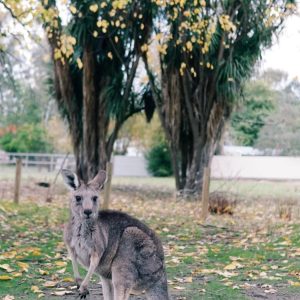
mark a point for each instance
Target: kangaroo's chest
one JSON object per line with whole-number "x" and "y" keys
{"x": 83, "y": 244}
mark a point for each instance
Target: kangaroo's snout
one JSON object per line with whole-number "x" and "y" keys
{"x": 87, "y": 212}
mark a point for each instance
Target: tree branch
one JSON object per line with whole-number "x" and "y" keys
{"x": 130, "y": 78}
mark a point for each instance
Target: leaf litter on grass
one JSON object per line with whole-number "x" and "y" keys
{"x": 251, "y": 251}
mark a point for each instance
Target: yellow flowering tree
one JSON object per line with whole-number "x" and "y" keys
{"x": 197, "y": 59}
{"x": 96, "y": 54}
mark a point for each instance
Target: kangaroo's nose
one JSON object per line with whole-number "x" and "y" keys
{"x": 87, "y": 212}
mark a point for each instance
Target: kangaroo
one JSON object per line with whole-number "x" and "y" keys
{"x": 126, "y": 254}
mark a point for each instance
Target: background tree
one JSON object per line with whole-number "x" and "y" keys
{"x": 280, "y": 134}
{"x": 206, "y": 50}
{"x": 257, "y": 103}
{"x": 25, "y": 103}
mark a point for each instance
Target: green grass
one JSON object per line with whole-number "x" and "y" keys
{"x": 28, "y": 230}
{"x": 245, "y": 188}
{"x": 192, "y": 251}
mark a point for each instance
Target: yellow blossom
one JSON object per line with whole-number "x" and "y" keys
{"x": 93, "y": 8}
{"x": 79, "y": 63}
{"x": 73, "y": 9}
{"x": 189, "y": 46}
{"x": 109, "y": 54}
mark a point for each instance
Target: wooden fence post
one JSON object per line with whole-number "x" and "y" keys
{"x": 205, "y": 194}
{"x": 17, "y": 180}
{"x": 107, "y": 186}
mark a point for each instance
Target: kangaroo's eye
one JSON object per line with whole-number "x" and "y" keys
{"x": 78, "y": 199}
{"x": 94, "y": 198}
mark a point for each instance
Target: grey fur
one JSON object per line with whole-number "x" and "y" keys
{"x": 124, "y": 252}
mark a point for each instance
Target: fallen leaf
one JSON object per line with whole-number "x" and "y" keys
{"x": 9, "y": 297}
{"x": 61, "y": 263}
{"x": 270, "y": 291}
{"x": 62, "y": 293}
{"x": 68, "y": 279}
{"x": 188, "y": 279}
{"x": 227, "y": 274}
{"x": 263, "y": 274}
{"x": 5, "y": 277}
{"x": 43, "y": 272}
{"x": 62, "y": 271}
{"x": 8, "y": 255}
{"x": 293, "y": 283}
{"x": 50, "y": 284}
{"x": 234, "y": 265}
{"x": 180, "y": 288}
{"x": 35, "y": 289}
{"x": 23, "y": 266}
{"x": 6, "y": 267}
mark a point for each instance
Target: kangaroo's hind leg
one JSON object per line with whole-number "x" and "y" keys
{"x": 123, "y": 281}
{"x": 107, "y": 287}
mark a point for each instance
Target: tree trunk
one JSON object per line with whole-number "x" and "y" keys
{"x": 90, "y": 109}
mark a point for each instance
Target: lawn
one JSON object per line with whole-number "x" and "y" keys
{"x": 253, "y": 253}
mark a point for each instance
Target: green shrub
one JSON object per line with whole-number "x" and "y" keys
{"x": 159, "y": 161}
{"x": 27, "y": 138}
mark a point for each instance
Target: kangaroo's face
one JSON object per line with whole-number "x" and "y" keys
{"x": 84, "y": 201}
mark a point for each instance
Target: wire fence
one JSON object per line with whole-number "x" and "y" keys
{"x": 49, "y": 161}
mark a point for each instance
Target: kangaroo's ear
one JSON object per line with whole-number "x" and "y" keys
{"x": 98, "y": 181}
{"x": 71, "y": 180}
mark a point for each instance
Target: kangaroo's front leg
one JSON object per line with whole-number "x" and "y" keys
{"x": 75, "y": 266}
{"x": 94, "y": 261}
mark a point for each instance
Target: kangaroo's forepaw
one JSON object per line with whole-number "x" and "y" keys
{"x": 83, "y": 292}
{"x": 78, "y": 281}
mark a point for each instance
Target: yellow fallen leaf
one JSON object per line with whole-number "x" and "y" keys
{"x": 41, "y": 295}
{"x": 68, "y": 279}
{"x": 61, "y": 263}
{"x": 23, "y": 266}
{"x": 5, "y": 277}
{"x": 9, "y": 255}
{"x": 43, "y": 272}
{"x": 226, "y": 273}
{"x": 188, "y": 279}
{"x": 35, "y": 289}
{"x": 206, "y": 271}
{"x": 36, "y": 253}
{"x": 234, "y": 265}
{"x": 6, "y": 267}
{"x": 235, "y": 258}
{"x": 17, "y": 274}
{"x": 293, "y": 283}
